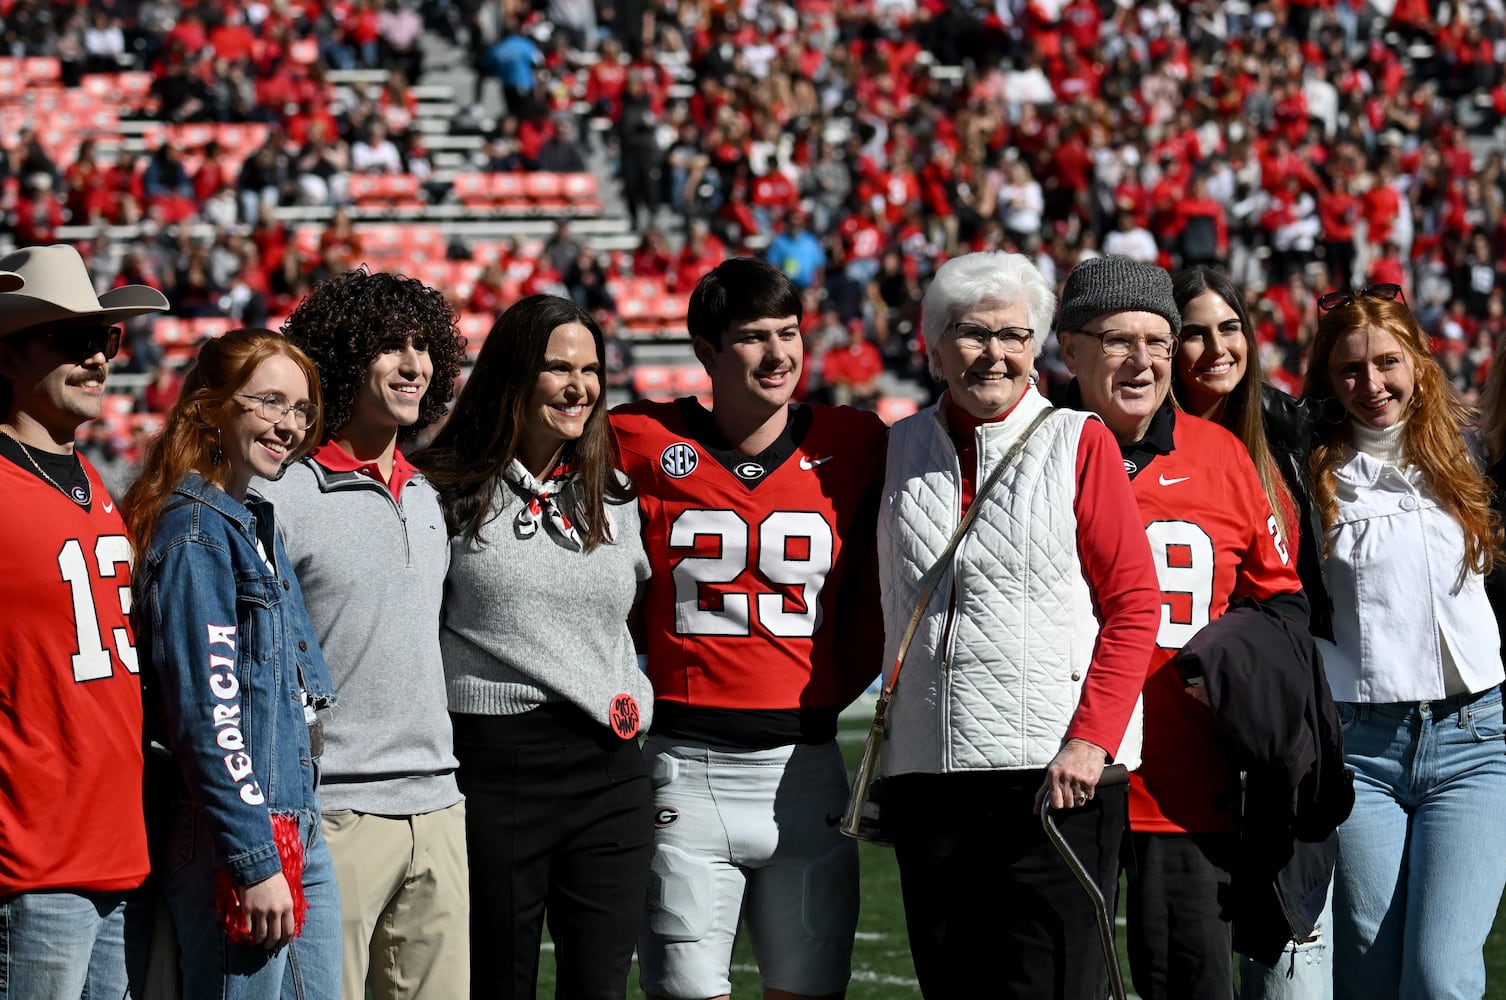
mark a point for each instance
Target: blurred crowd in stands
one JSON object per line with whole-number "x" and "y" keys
{"x": 1303, "y": 145}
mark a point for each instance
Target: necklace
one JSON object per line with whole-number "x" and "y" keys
{"x": 80, "y": 495}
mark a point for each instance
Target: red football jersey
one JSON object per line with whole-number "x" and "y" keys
{"x": 762, "y": 596}
{"x": 70, "y": 699}
{"x": 1214, "y": 540}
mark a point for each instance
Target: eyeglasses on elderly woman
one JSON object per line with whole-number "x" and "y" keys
{"x": 975, "y": 336}
{"x": 1388, "y": 291}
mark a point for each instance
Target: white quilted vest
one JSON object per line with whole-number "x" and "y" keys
{"x": 997, "y": 690}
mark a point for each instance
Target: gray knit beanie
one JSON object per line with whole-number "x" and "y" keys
{"x": 1102, "y": 285}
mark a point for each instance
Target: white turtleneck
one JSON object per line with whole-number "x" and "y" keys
{"x": 1383, "y": 444}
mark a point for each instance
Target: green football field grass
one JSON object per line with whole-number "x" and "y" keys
{"x": 881, "y": 954}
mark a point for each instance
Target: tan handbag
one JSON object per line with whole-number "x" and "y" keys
{"x": 864, "y": 818}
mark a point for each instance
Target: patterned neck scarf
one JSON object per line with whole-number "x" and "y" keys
{"x": 547, "y": 501}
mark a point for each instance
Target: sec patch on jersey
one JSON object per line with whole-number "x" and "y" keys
{"x": 678, "y": 460}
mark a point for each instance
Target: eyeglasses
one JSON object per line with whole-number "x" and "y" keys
{"x": 1118, "y": 344}
{"x": 975, "y": 336}
{"x": 272, "y": 408}
{"x": 1388, "y": 291}
{"x": 79, "y": 342}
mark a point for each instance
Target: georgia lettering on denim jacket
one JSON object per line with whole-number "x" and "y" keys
{"x": 227, "y": 717}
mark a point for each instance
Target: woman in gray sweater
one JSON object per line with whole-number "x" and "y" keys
{"x": 544, "y": 687}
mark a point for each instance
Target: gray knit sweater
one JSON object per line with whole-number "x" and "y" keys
{"x": 372, "y": 571}
{"x": 531, "y": 621}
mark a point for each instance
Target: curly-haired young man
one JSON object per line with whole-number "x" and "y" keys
{"x": 367, "y": 538}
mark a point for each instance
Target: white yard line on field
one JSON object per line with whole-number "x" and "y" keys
{"x": 858, "y": 975}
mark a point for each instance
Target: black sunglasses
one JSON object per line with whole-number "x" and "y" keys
{"x": 79, "y": 341}
{"x": 1388, "y": 291}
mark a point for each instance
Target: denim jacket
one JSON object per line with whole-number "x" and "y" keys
{"x": 227, "y": 643}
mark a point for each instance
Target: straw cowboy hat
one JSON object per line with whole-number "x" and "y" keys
{"x": 56, "y": 286}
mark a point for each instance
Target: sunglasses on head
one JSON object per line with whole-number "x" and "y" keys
{"x": 1388, "y": 291}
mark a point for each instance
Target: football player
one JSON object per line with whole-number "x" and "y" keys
{"x": 1215, "y": 541}
{"x": 72, "y": 833}
{"x": 761, "y": 622}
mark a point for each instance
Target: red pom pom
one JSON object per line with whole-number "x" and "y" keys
{"x": 228, "y": 895}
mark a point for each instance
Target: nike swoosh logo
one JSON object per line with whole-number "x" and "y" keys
{"x": 810, "y": 463}
{"x": 1173, "y": 482}
{"x": 109, "y": 508}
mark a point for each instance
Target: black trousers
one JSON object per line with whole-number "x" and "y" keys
{"x": 992, "y": 909}
{"x": 1181, "y": 941}
{"x": 559, "y": 826}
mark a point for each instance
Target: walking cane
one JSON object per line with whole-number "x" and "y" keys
{"x": 1114, "y": 774}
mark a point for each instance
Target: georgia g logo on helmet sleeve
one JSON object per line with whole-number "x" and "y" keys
{"x": 678, "y": 460}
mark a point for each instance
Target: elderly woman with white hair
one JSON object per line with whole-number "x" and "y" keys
{"x": 1022, "y": 679}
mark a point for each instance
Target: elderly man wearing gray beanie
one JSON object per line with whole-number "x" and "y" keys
{"x": 1214, "y": 539}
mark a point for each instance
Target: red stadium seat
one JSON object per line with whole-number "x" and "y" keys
{"x": 654, "y": 381}
{"x": 41, "y": 69}
{"x": 118, "y": 404}
{"x": 637, "y": 314}
{"x": 210, "y": 326}
{"x": 472, "y": 190}
{"x": 692, "y": 380}
{"x": 581, "y": 193}
{"x": 474, "y": 327}
{"x": 507, "y": 191}
{"x": 671, "y": 308}
{"x": 892, "y": 409}
{"x": 545, "y": 191}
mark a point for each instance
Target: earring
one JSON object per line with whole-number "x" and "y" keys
{"x": 1333, "y": 411}
{"x": 216, "y": 453}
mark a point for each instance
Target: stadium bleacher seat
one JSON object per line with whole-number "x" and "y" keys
{"x": 386, "y": 193}
{"x": 892, "y": 409}
{"x": 581, "y": 194}
{"x": 692, "y": 380}
{"x": 655, "y": 382}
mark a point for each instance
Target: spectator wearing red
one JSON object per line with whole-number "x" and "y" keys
{"x": 606, "y": 80}
{"x": 1389, "y": 268}
{"x": 38, "y": 214}
{"x": 653, "y": 257}
{"x": 773, "y": 194}
{"x": 700, "y": 255}
{"x": 231, "y": 39}
{"x": 1338, "y": 211}
{"x": 87, "y": 181}
{"x": 1380, "y": 206}
{"x": 852, "y": 371}
{"x": 1200, "y": 226}
{"x": 489, "y": 295}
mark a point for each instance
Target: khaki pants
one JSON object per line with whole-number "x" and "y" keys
{"x": 404, "y": 903}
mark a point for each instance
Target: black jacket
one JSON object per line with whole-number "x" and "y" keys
{"x": 1265, "y": 683}
{"x": 1495, "y": 583}
{"x": 1290, "y": 427}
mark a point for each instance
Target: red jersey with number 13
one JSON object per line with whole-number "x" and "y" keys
{"x": 70, "y": 699}
{"x": 1214, "y": 540}
{"x": 757, "y": 595}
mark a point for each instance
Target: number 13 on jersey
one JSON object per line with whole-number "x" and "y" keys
{"x": 723, "y": 588}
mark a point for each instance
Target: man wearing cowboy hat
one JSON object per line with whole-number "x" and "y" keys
{"x": 72, "y": 835}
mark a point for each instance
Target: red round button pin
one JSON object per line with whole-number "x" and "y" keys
{"x": 622, "y": 713}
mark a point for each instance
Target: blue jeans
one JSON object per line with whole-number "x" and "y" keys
{"x": 65, "y": 945}
{"x": 1420, "y": 869}
{"x": 1311, "y": 967}
{"x": 213, "y": 966}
